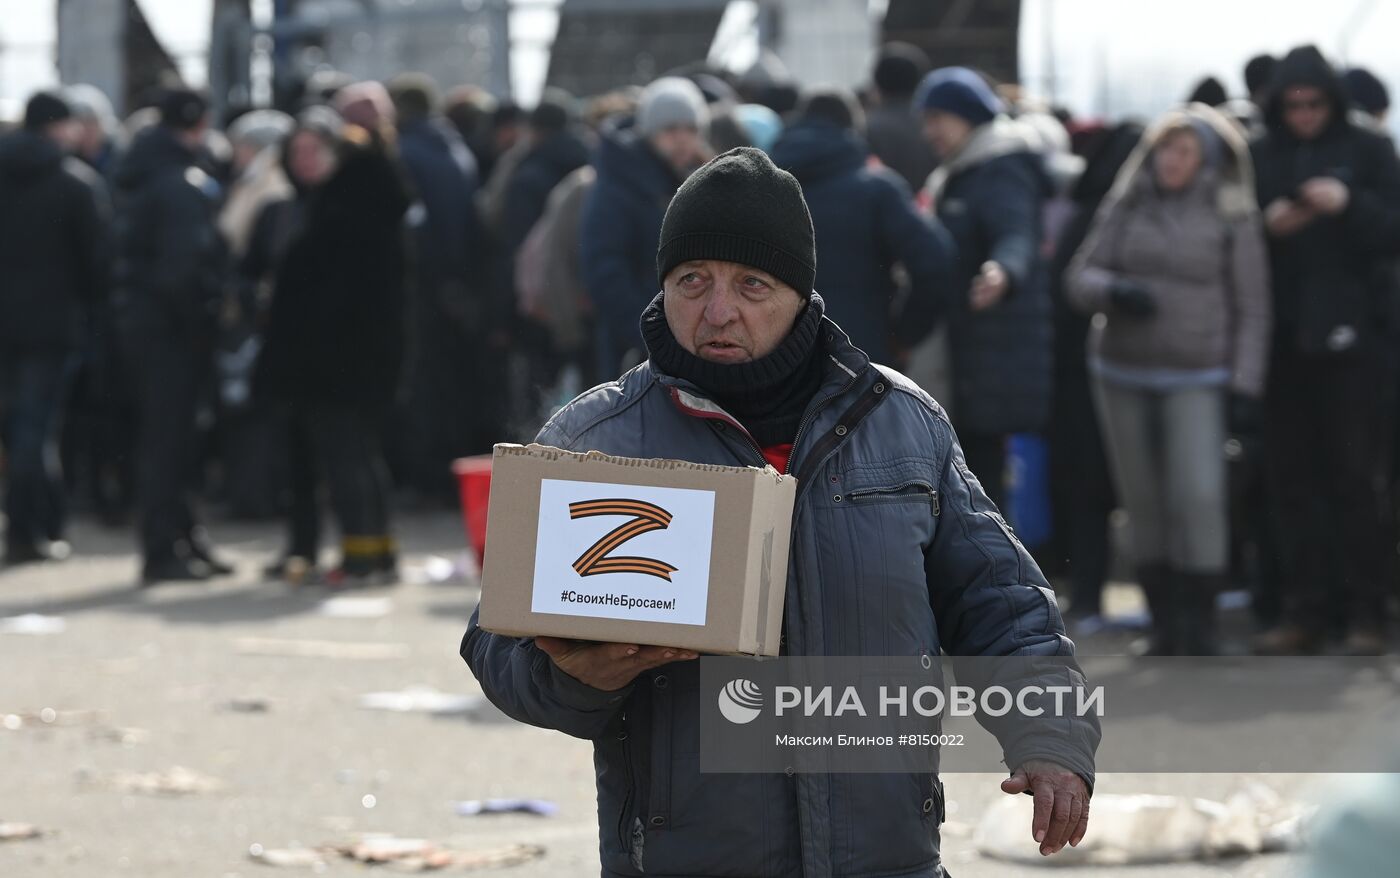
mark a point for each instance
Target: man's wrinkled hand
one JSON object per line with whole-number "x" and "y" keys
{"x": 1061, "y": 803}
{"x": 608, "y": 666}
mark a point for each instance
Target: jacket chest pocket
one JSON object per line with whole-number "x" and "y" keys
{"x": 875, "y": 524}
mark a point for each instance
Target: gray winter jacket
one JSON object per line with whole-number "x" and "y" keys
{"x": 895, "y": 552}
{"x": 1200, "y": 253}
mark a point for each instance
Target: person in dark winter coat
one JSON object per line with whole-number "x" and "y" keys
{"x": 1330, "y": 191}
{"x": 866, "y": 226}
{"x": 457, "y": 317}
{"x": 335, "y": 341}
{"x": 640, "y": 163}
{"x": 892, "y": 126}
{"x": 555, "y": 151}
{"x": 744, "y": 369}
{"x": 171, "y": 267}
{"x": 52, "y": 248}
{"x": 989, "y": 191}
{"x": 1368, "y": 95}
{"x": 1209, "y": 91}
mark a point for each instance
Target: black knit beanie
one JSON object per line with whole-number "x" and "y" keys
{"x": 740, "y": 207}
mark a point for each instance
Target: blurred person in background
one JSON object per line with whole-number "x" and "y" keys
{"x": 258, "y": 176}
{"x": 99, "y": 431}
{"x": 469, "y": 108}
{"x": 308, "y": 157}
{"x": 1081, "y": 489}
{"x": 892, "y": 125}
{"x": 1258, "y": 76}
{"x": 53, "y": 228}
{"x": 1176, "y": 265}
{"x": 548, "y": 265}
{"x": 457, "y": 325}
{"x": 1330, "y": 191}
{"x": 99, "y": 140}
{"x": 366, "y": 104}
{"x": 172, "y": 264}
{"x": 1209, "y": 91}
{"x": 989, "y": 191}
{"x": 762, "y": 125}
{"x": 553, "y": 149}
{"x": 1369, "y": 97}
{"x": 335, "y": 343}
{"x": 247, "y": 436}
{"x": 867, "y": 229}
{"x": 640, "y": 163}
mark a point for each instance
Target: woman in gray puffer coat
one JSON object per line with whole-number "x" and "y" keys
{"x": 1176, "y": 271}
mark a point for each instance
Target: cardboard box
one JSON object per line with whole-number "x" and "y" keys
{"x": 660, "y": 552}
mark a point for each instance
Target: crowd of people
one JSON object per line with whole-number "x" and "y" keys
{"x": 1198, "y": 313}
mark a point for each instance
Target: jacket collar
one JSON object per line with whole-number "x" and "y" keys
{"x": 845, "y": 364}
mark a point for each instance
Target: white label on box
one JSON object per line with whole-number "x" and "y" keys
{"x": 623, "y": 552}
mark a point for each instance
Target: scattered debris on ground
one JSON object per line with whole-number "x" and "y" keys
{"x": 176, "y": 781}
{"x": 127, "y": 737}
{"x": 422, "y": 699}
{"x": 1142, "y": 829}
{"x": 19, "y": 831}
{"x": 250, "y": 704}
{"x": 51, "y": 718}
{"x": 33, "y": 623}
{"x": 398, "y": 855}
{"x": 351, "y": 607}
{"x": 473, "y": 807}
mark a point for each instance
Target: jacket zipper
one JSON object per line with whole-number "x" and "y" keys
{"x": 623, "y": 835}
{"x": 895, "y": 489}
{"x": 812, "y": 416}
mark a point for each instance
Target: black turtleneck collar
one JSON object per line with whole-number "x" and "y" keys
{"x": 768, "y": 395}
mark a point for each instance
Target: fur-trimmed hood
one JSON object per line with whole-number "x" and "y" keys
{"x": 1231, "y": 179}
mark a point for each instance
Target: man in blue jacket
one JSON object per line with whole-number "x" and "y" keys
{"x": 895, "y": 551}
{"x": 866, "y": 225}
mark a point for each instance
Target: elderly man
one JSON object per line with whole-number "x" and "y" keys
{"x": 895, "y": 551}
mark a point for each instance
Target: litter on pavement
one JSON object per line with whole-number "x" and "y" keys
{"x": 19, "y": 831}
{"x": 350, "y": 607}
{"x": 1141, "y": 829}
{"x": 176, "y": 781}
{"x": 33, "y": 623}
{"x": 248, "y": 705}
{"x": 473, "y": 807}
{"x": 398, "y": 855}
{"x": 422, "y": 699}
{"x": 50, "y": 718}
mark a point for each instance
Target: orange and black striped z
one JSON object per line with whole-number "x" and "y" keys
{"x": 645, "y": 518}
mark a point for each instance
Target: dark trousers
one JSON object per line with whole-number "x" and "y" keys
{"x": 1327, "y": 441}
{"x": 986, "y": 457}
{"x": 33, "y": 398}
{"x": 340, "y": 446}
{"x": 168, "y": 376}
{"x": 1081, "y": 491}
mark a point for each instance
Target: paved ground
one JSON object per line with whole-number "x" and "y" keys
{"x": 162, "y": 669}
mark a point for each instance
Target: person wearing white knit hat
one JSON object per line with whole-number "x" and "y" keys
{"x": 673, "y": 116}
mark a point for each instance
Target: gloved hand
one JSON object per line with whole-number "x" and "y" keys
{"x": 1132, "y": 299}
{"x": 1245, "y": 415}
